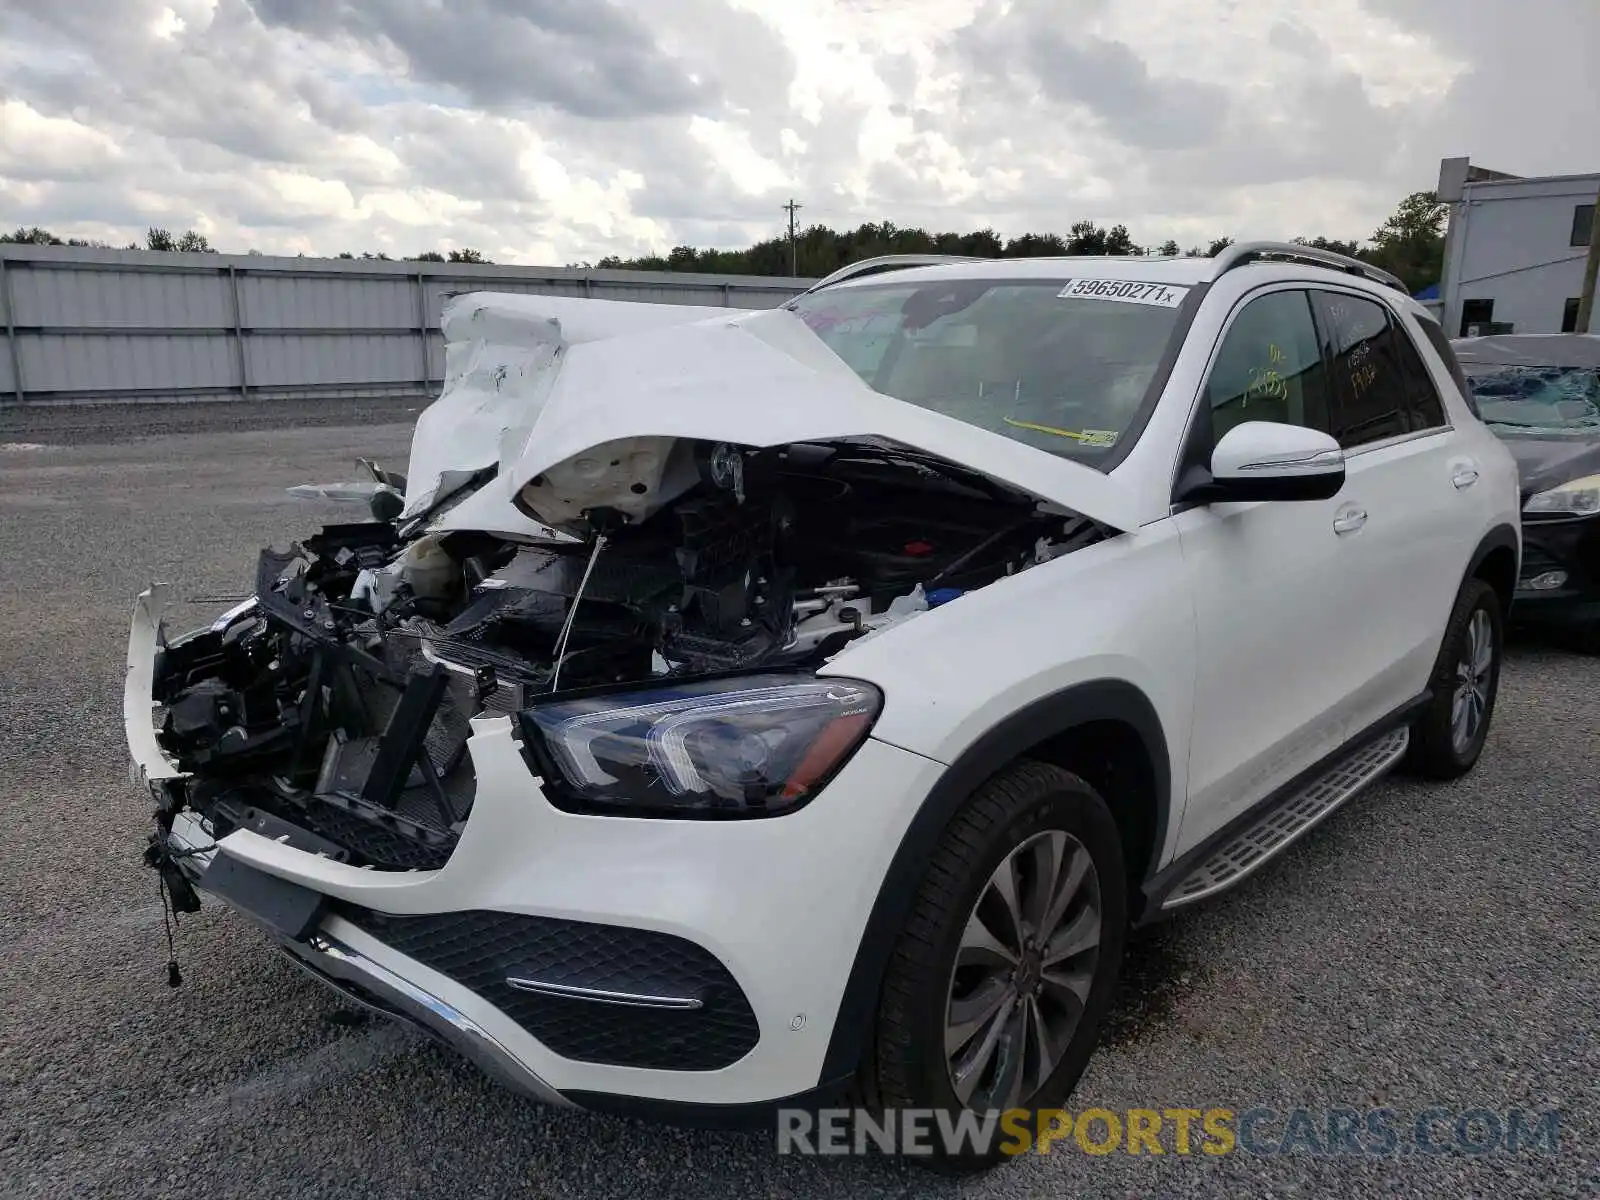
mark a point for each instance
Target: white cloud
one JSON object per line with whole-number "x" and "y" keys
{"x": 552, "y": 131}
{"x": 168, "y": 24}
{"x": 752, "y": 171}
{"x": 36, "y": 147}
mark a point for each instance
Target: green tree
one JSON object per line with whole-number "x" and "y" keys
{"x": 1410, "y": 243}
{"x": 189, "y": 241}
{"x": 1087, "y": 238}
{"x": 32, "y": 236}
{"x": 1118, "y": 242}
{"x": 468, "y": 255}
{"x": 1168, "y": 249}
{"x": 1350, "y": 249}
{"x": 1036, "y": 245}
{"x": 426, "y": 256}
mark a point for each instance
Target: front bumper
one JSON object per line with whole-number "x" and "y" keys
{"x": 779, "y": 905}
{"x": 1572, "y": 548}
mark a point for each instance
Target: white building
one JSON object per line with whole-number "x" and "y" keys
{"x": 1515, "y": 250}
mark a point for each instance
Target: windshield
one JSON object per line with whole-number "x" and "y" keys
{"x": 1031, "y": 359}
{"x": 1538, "y": 400}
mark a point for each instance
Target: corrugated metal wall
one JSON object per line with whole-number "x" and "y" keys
{"x": 120, "y": 325}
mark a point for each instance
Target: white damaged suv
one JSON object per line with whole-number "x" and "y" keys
{"x": 734, "y": 710}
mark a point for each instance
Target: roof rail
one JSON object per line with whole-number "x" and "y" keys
{"x": 1249, "y": 252}
{"x": 888, "y": 262}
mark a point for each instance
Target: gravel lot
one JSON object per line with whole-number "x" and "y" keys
{"x": 1428, "y": 946}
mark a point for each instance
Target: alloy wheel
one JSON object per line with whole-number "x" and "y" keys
{"x": 1474, "y": 676}
{"x": 1023, "y": 971}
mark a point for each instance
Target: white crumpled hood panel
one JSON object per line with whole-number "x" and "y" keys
{"x": 617, "y": 379}
{"x": 502, "y": 354}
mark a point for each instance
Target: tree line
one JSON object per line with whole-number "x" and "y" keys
{"x": 192, "y": 242}
{"x": 1409, "y": 244}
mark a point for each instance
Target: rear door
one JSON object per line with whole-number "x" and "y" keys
{"x": 1412, "y": 477}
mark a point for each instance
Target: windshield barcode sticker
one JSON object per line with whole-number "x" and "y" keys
{"x": 1125, "y": 291}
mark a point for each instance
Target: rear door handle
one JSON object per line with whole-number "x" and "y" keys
{"x": 1349, "y": 519}
{"x": 1463, "y": 474}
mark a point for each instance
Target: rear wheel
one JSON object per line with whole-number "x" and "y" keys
{"x": 996, "y": 990}
{"x": 1448, "y": 738}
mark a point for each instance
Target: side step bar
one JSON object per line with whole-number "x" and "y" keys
{"x": 1285, "y": 823}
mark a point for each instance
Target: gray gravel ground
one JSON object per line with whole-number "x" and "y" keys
{"x": 1428, "y": 946}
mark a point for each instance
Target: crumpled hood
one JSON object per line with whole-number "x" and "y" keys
{"x": 502, "y": 354}
{"x": 594, "y": 399}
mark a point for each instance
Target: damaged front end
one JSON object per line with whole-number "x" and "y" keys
{"x": 333, "y": 709}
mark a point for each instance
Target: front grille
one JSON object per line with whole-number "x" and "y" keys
{"x": 480, "y": 950}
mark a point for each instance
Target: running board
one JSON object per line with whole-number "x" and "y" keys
{"x": 1280, "y": 828}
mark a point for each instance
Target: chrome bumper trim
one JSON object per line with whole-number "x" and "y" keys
{"x": 601, "y": 996}
{"x": 335, "y": 964}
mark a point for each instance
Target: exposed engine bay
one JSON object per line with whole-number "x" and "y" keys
{"x": 337, "y": 702}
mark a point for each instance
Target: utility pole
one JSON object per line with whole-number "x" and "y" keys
{"x": 1590, "y": 271}
{"x": 794, "y": 262}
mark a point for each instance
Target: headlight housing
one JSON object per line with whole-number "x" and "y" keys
{"x": 749, "y": 746}
{"x": 1579, "y": 498}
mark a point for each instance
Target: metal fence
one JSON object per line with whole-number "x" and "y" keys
{"x": 131, "y": 325}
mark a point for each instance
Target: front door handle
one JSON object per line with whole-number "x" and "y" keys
{"x": 1349, "y": 519}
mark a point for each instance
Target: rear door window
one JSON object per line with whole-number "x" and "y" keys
{"x": 1373, "y": 396}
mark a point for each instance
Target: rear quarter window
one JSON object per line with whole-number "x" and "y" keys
{"x": 1435, "y": 334}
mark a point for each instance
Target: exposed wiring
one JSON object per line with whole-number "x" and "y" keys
{"x": 572, "y": 612}
{"x": 191, "y": 851}
{"x": 168, "y": 917}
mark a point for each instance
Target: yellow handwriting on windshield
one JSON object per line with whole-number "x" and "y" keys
{"x": 1066, "y": 433}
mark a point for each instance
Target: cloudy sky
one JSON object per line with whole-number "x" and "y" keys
{"x": 554, "y": 131}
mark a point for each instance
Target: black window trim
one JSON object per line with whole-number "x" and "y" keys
{"x": 1397, "y": 322}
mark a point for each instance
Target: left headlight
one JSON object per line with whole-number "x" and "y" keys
{"x": 1580, "y": 497}
{"x": 750, "y": 746}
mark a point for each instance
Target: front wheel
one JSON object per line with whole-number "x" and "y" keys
{"x": 996, "y": 990}
{"x": 1448, "y": 737}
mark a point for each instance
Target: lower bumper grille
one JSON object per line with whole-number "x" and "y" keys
{"x": 592, "y": 993}
{"x": 372, "y": 843}
{"x": 1536, "y": 560}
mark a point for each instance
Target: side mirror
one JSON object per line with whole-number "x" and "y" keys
{"x": 1265, "y": 460}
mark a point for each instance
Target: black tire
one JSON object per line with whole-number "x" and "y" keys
{"x": 1025, "y": 805}
{"x": 1435, "y": 751}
